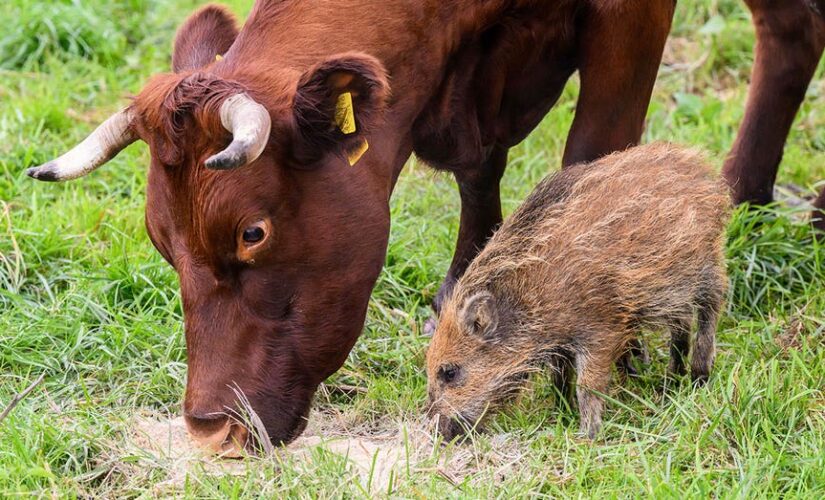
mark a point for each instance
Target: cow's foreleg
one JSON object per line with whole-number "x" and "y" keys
{"x": 618, "y": 62}
{"x": 790, "y": 40}
{"x": 480, "y": 215}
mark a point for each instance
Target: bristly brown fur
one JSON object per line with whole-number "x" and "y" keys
{"x": 595, "y": 253}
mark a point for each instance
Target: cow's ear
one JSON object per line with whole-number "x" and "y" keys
{"x": 479, "y": 315}
{"x": 207, "y": 34}
{"x": 337, "y": 103}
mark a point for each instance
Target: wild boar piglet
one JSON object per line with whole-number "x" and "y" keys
{"x": 596, "y": 253}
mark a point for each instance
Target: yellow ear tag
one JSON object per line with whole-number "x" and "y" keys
{"x": 218, "y": 58}
{"x": 345, "y": 114}
{"x": 358, "y": 152}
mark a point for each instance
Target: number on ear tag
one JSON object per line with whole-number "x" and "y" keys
{"x": 345, "y": 113}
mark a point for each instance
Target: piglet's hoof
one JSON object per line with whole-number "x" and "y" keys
{"x": 625, "y": 366}
{"x": 818, "y": 221}
{"x": 636, "y": 350}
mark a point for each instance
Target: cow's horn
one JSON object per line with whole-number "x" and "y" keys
{"x": 109, "y": 139}
{"x": 250, "y": 124}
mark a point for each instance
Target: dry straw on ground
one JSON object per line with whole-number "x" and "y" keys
{"x": 377, "y": 458}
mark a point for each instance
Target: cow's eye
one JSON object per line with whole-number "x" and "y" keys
{"x": 252, "y": 238}
{"x": 253, "y": 234}
{"x": 448, "y": 373}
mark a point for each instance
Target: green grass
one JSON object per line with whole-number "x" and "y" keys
{"x": 85, "y": 299}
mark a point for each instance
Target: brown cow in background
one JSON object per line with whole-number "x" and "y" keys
{"x": 276, "y": 237}
{"x": 790, "y": 39}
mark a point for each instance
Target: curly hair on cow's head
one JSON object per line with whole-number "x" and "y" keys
{"x": 170, "y": 102}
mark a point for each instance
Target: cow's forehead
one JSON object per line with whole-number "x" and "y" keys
{"x": 205, "y": 208}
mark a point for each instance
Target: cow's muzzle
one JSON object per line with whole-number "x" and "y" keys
{"x": 218, "y": 434}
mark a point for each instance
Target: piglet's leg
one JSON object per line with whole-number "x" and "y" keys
{"x": 480, "y": 216}
{"x": 593, "y": 377}
{"x": 561, "y": 368}
{"x": 704, "y": 348}
{"x": 679, "y": 347}
{"x": 635, "y": 349}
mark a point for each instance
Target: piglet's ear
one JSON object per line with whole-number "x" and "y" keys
{"x": 337, "y": 103}
{"x": 479, "y": 315}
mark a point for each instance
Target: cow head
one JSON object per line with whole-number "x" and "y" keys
{"x": 276, "y": 238}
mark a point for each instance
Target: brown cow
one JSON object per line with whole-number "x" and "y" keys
{"x": 276, "y": 238}
{"x": 790, "y": 39}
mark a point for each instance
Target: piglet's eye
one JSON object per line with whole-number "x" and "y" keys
{"x": 448, "y": 373}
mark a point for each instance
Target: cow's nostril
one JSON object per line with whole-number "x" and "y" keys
{"x": 217, "y": 433}
{"x": 217, "y": 415}
{"x": 205, "y": 423}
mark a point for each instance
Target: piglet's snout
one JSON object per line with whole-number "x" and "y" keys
{"x": 450, "y": 428}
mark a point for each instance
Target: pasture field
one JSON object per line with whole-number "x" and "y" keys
{"x": 87, "y": 301}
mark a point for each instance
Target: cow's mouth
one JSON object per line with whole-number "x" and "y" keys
{"x": 226, "y": 437}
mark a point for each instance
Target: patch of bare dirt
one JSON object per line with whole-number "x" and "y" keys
{"x": 377, "y": 457}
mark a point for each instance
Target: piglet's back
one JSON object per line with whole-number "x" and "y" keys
{"x": 636, "y": 231}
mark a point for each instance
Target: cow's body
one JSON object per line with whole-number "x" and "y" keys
{"x": 790, "y": 40}
{"x": 467, "y": 80}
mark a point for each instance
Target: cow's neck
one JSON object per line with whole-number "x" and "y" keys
{"x": 414, "y": 40}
